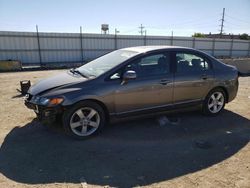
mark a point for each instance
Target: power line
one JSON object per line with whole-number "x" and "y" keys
{"x": 234, "y": 24}
{"x": 187, "y": 22}
{"x": 129, "y": 31}
{"x": 238, "y": 19}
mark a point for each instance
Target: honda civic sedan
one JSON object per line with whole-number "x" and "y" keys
{"x": 133, "y": 81}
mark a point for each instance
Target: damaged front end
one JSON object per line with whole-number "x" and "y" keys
{"x": 46, "y": 109}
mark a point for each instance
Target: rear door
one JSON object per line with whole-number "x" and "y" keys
{"x": 193, "y": 77}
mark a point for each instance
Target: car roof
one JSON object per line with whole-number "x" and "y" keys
{"x": 143, "y": 49}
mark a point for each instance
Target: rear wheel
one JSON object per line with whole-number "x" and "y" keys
{"x": 84, "y": 119}
{"x": 214, "y": 102}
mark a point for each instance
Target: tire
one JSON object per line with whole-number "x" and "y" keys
{"x": 211, "y": 106}
{"x": 84, "y": 120}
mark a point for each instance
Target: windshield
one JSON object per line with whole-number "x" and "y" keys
{"x": 106, "y": 62}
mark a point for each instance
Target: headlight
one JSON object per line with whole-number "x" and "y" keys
{"x": 48, "y": 101}
{"x": 44, "y": 101}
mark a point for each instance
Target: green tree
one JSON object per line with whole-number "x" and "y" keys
{"x": 244, "y": 36}
{"x": 200, "y": 35}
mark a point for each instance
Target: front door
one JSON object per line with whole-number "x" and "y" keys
{"x": 152, "y": 88}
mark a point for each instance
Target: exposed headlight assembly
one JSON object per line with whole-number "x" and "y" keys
{"x": 47, "y": 101}
{"x": 44, "y": 101}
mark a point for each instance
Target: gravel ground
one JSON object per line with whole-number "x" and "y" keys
{"x": 198, "y": 152}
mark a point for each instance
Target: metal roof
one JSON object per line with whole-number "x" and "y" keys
{"x": 143, "y": 49}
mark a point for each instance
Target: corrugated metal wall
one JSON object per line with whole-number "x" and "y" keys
{"x": 33, "y": 48}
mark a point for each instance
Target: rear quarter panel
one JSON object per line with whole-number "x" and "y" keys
{"x": 227, "y": 77}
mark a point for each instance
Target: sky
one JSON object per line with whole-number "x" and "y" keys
{"x": 159, "y": 17}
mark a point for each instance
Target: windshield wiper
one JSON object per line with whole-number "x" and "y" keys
{"x": 77, "y": 72}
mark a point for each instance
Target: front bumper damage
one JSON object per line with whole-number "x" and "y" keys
{"x": 44, "y": 114}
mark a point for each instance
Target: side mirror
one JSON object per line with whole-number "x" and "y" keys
{"x": 128, "y": 75}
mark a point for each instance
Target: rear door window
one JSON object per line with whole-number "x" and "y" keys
{"x": 188, "y": 62}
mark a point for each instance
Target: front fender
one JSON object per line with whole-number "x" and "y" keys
{"x": 76, "y": 96}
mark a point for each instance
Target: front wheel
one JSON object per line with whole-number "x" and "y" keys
{"x": 214, "y": 102}
{"x": 84, "y": 119}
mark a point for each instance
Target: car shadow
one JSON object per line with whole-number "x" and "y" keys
{"x": 127, "y": 154}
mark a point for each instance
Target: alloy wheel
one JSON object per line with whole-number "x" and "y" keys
{"x": 84, "y": 121}
{"x": 216, "y": 102}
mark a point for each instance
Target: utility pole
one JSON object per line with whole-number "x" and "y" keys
{"x": 145, "y": 39}
{"x": 116, "y": 31}
{"x": 141, "y": 29}
{"x": 81, "y": 43}
{"x": 172, "y": 38}
{"x": 38, "y": 45}
{"x": 222, "y": 22}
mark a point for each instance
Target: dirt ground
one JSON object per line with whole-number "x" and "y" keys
{"x": 129, "y": 154}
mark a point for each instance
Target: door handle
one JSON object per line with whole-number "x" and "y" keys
{"x": 204, "y": 77}
{"x": 164, "y": 82}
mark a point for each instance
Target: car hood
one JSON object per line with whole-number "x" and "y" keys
{"x": 55, "y": 81}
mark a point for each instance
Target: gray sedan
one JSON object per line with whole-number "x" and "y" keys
{"x": 133, "y": 81}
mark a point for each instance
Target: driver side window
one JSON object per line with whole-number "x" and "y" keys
{"x": 148, "y": 66}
